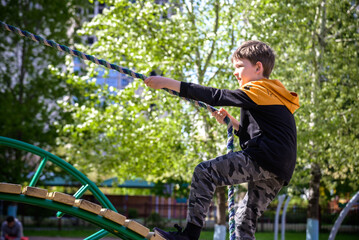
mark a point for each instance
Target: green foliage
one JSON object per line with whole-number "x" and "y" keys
{"x": 139, "y": 132}
{"x": 117, "y": 133}
{"x": 155, "y": 220}
{"x": 171, "y": 188}
{"x": 132, "y": 213}
{"x": 38, "y": 214}
{"x": 28, "y": 89}
{"x": 297, "y": 217}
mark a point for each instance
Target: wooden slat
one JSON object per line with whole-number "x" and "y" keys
{"x": 137, "y": 228}
{"x": 113, "y": 216}
{"x": 88, "y": 206}
{"x": 61, "y": 197}
{"x": 35, "y": 192}
{"x": 154, "y": 236}
{"x": 10, "y": 188}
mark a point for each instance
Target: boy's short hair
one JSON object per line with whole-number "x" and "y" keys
{"x": 256, "y": 51}
{"x": 10, "y": 219}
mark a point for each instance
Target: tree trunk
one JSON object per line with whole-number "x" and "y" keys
{"x": 221, "y": 206}
{"x": 312, "y": 232}
{"x": 220, "y": 227}
{"x": 313, "y": 207}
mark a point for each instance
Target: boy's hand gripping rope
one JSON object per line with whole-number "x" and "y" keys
{"x": 133, "y": 74}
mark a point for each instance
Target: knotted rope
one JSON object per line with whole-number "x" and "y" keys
{"x": 133, "y": 74}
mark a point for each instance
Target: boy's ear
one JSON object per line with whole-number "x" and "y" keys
{"x": 259, "y": 67}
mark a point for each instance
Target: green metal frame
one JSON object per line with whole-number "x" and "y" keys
{"x": 110, "y": 226}
{"x": 87, "y": 185}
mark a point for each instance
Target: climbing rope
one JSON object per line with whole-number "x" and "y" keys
{"x": 62, "y": 48}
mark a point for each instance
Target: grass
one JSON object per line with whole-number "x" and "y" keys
{"x": 205, "y": 235}
{"x": 290, "y": 235}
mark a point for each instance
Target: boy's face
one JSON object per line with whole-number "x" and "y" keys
{"x": 11, "y": 224}
{"x": 245, "y": 71}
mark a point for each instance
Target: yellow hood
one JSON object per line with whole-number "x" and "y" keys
{"x": 271, "y": 92}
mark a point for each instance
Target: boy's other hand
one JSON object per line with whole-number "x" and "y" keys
{"x": 220, "y": 115}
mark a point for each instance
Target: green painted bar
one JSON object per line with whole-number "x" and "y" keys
{"x": 98, "y": 235}
{"x": 81, "y": 191}
{"x": 77, "y": 195}
{"x": 36, "y": 177}
{"x": 104, "y": 223}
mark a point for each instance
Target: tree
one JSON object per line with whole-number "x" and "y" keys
{"x": 28, "y": 89}
{"x": 150, "y": 134}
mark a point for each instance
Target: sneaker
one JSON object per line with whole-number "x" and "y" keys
{"x": 179, "y": 235}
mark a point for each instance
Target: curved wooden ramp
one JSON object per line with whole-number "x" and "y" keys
{"x": 105, "y": 218}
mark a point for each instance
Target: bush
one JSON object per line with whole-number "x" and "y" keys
{"x": 298, "y": 217}
{"x": 155, "y": 220}
{"x": 132, "y": 213}
{"x": 39, "y": 214}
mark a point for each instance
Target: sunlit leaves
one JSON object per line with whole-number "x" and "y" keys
{"x": 139, "y": 132}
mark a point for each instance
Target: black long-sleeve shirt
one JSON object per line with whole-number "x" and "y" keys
{"x": 267, "y": 131}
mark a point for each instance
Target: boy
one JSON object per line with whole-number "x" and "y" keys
{"x": 11, "y": 229}
{"x": 267, "y": 135}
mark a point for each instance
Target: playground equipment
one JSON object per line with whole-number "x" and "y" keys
{"x": 342, "y": 215}
{"x": 276, "y": 220}
{"x": 105, "y": 215}
{"x": 284, "y": 215}
{"x": 62, "y": 48}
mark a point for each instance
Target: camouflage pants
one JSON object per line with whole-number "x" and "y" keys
{"x": 231, "y": 169}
